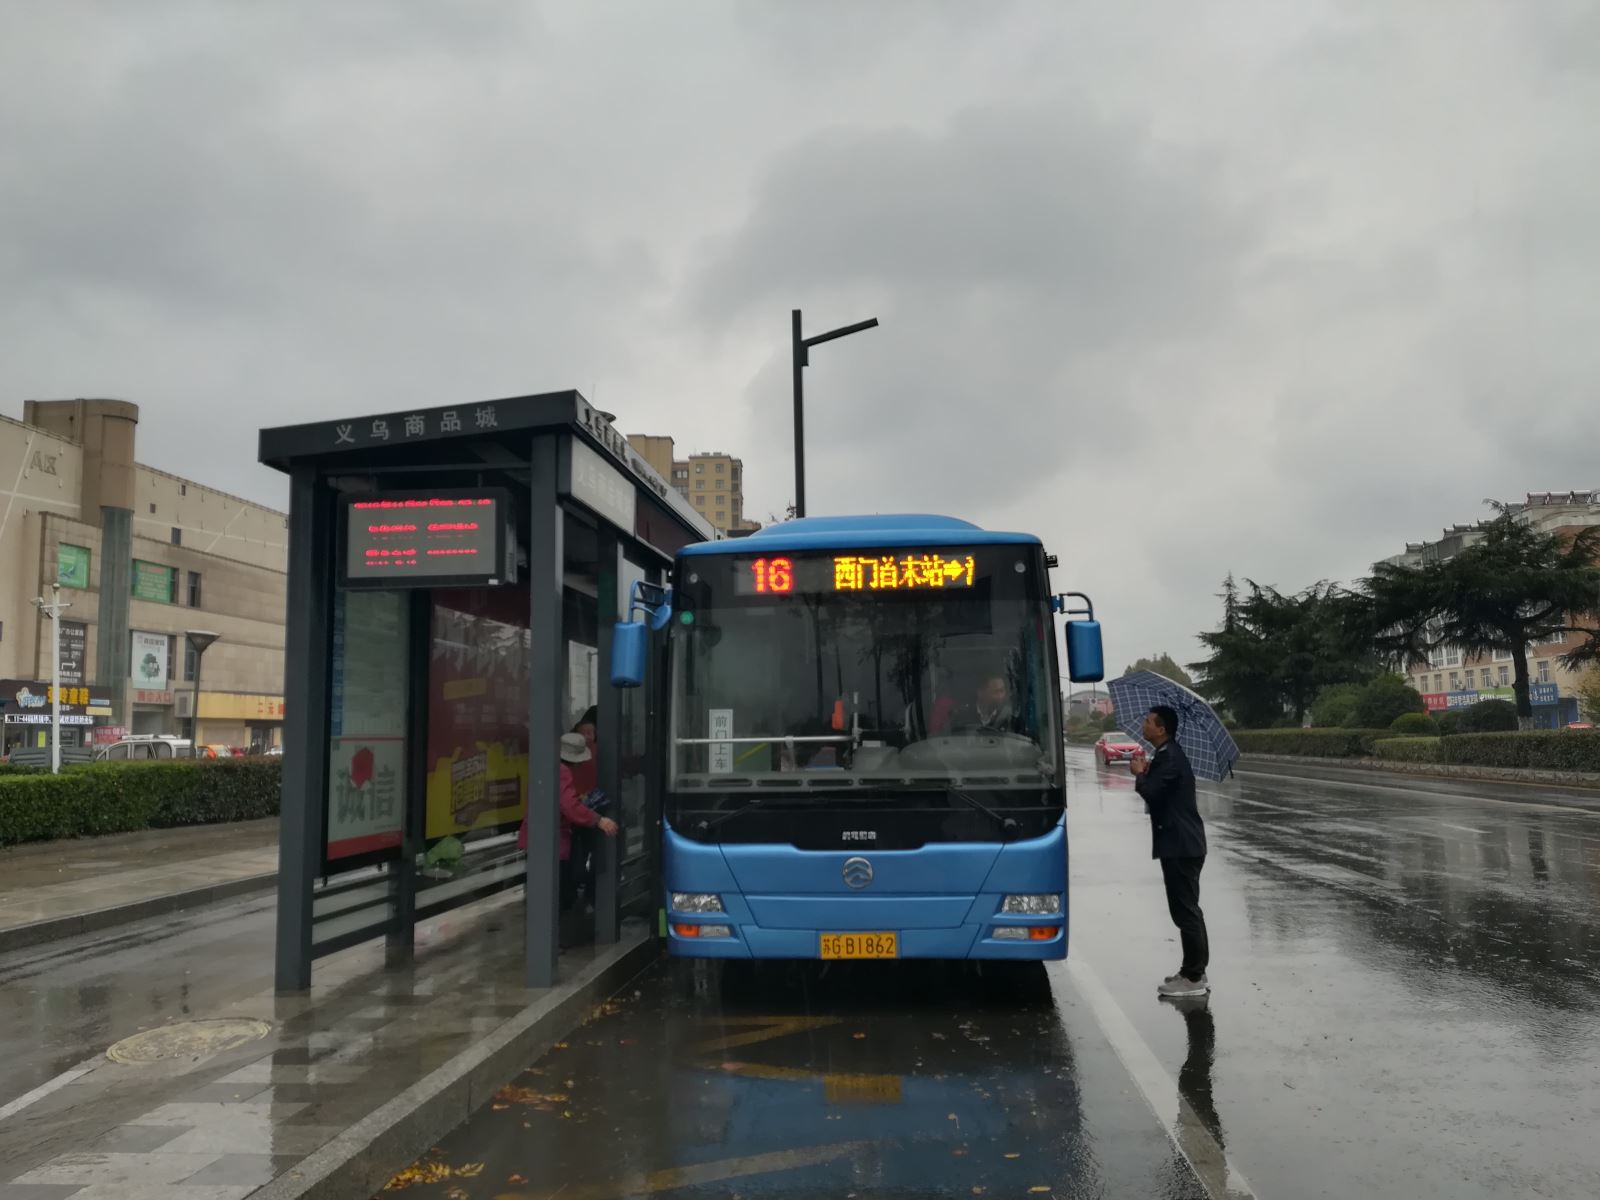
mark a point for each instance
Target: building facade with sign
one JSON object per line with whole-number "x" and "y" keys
{"x": 1451, "y": 679}
{"x": 142, "y": 556}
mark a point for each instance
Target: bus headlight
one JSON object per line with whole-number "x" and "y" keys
{"x": 1046, "y": 905}
{"x": 696, "y": 902}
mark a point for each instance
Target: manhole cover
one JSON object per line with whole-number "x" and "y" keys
{"x": 191, "y": 1040}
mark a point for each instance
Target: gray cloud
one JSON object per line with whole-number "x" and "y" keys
{"x": 1265, "y": 287}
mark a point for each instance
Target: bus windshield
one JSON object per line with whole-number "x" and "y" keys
{"x": 797, "y": 673}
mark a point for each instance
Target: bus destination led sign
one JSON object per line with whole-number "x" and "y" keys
{"x": 445, "y": 537}
{"x": 903, "y": 571}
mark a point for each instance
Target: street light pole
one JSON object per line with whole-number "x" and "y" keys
{"x": 199, "y": 641}
{"x": 801, "y": 347}
{"x": 53, "y": 609}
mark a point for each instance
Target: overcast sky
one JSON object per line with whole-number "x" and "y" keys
{"x": 1265, "y": 287}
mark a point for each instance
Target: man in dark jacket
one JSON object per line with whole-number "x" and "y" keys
{"x": 1178, "y": 839}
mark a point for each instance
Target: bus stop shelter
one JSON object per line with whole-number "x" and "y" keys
{"x": 454, "y": 575}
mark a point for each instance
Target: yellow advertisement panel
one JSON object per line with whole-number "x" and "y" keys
{"x": 477, "y": 711}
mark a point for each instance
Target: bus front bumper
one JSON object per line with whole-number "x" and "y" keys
{"x": 994, "y": 937}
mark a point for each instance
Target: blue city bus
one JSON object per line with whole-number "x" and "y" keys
{"x": 864, "y": 742}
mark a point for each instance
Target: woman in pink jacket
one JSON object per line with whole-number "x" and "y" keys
{"x": 574, "y": 752}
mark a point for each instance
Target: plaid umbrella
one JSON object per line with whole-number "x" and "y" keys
{"x": 1202, "y": 735}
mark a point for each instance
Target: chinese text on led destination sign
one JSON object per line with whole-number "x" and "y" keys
{"x": 899, "y": 572}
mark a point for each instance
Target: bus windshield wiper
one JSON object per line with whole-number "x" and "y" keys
{"x": 706, "y": 825}
{"x": 1008, "y": 826}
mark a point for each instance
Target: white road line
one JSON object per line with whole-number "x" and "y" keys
{"x": 1200, "y": 1149}
{"x": 1417, "y": 794}
{"x": 44, "y": 1089}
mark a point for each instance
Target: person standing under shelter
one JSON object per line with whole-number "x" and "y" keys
{"x": 1178, "y": 840}
{"x": 574, "y": 815}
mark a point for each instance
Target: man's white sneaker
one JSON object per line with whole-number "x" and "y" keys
{"x": 1179, "y": 986}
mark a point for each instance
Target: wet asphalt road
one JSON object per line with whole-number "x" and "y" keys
{"x": 1406, "y": 1005}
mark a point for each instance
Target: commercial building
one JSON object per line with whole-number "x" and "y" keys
{"x": 142, "y": 557}
{"x": 1452, "y": 679}
{"x": 713, "y": 481}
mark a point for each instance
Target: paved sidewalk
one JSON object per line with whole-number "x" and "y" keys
{"x": 325, "y": 1094}
{"x": 57, "y": 889}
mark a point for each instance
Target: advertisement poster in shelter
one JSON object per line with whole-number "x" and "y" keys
{"x": 367, "y": 710}
{"x": 478, "y": 710}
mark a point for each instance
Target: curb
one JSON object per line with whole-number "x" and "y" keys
{"x": 356, "y": 1164}
{"x": 36, "y": 933}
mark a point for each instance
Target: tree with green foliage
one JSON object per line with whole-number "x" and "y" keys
{"x": 1514, "y": 588}
{"x": 1486, "y": 716}
{"x": 1382, "y": 701}
{"x": 1589, "y": 697}
{"x": 1165, "y": 665}
{"x": 1275, "y": 653}
{"x": 1334, "y": 704}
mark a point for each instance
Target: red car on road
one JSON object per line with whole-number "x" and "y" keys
{"x": 1115, "y": 746}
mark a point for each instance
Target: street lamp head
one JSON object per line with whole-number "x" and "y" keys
{"x": 200, "y": 639}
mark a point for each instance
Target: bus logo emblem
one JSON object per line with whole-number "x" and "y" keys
{"x": 857, "y": 872}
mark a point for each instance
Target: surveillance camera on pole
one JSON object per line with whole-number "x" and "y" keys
{"x": 53, "y": 609}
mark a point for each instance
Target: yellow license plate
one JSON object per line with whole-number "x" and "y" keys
{"x": 860, "y": 945}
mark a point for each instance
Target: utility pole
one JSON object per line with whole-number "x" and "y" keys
{"x": 52, "y": 609}
{"x": 802, "y": 359}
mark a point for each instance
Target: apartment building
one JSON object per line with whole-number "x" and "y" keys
{"x": 1452, "y": 679}
{"x": 142, "y": 557}
{"x": 713, "y": 481}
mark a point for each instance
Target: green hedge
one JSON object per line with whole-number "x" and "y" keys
{"x": 1310, "y": 743}
{"x": 123, "y": 797}
{"x": 17, "y": 769}
{"x": 1409, "y": 749}
{"x": 1541, "y": 749}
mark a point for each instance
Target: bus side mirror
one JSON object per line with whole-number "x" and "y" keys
{"x": 1086, "y": 659}
{"x": 630, "y": 645}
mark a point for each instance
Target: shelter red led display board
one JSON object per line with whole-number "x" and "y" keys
{"x": 443, "y": 538}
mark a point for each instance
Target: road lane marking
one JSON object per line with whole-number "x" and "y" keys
{"x": 1421, "y": 794}
{"x": 44, "y": 1089}
{"x": 771, "y": 1027}
{"x": 839, "y": 1087}
{"x": 1199, "y": 1147}
{"x": 665, "y": 1179}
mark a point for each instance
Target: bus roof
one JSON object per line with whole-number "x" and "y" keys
{"x": 850, "y": 533}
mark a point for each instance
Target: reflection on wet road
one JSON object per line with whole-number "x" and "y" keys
{"x": 1406, "y": 975}
{"x": 1406, "y": 1005}
{"x": 917, "y": 1081}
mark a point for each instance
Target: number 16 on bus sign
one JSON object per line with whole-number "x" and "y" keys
{"x": 773, "y": 575}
